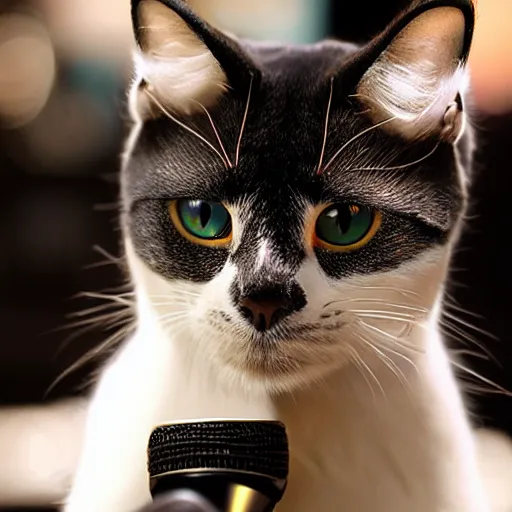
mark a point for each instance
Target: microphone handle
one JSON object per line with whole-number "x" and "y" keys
{"x": 224, "y": 491}
{"x": 184, "y": 500}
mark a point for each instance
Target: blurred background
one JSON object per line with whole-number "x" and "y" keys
{"x": 64, "y": 69}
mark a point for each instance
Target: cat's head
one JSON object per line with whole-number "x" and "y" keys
{"x": 290, "y": 209}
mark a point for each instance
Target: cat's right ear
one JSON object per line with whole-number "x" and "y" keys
{"x": 182, "y": 63}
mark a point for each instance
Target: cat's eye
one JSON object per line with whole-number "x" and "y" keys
{"x": 345, "y": 227}
{"x": 202, "y": 222}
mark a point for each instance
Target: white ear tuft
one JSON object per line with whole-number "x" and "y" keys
{"x": 419, "y": 75}
{"x": 173, "y": 63}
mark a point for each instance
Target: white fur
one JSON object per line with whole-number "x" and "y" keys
{"x": 263, "y": 254}
{"x": 418, "y": 75}
{"x": 177, "y": 66}
{"x": 373, "y": 433}
{"x": 495, "y": 458}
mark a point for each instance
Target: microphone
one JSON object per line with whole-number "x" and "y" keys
{"x": 180, "y": 501}
{"x": 218, "y": 466}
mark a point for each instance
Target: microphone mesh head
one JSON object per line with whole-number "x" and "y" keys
{"x": 255, "y": 446}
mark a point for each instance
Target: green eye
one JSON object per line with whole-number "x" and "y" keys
{"x": 202, "y": 222}
{"x": 345, "y": 226}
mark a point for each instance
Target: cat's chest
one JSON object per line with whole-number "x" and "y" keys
{"x": 351, "y": 450}
{"x": 334, "y": 477}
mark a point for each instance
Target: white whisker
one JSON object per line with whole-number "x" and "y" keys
{"x": 450, "y": 304}
{"x": 172, "y": 315}
{"x": 219, "y": 140}
{"x": 105, "y": 320}
{"x": 185, "y": 127}
{"x": 470, "y": 353}
{"x": 402, "y": 291}
{"x": 396, "y": 167}
{"x": 353, "y": 139}
{"x": 364, "y": 366}
{"x": 96, "y": 309}
{"x": 174, "y": 302}
{"x": 387, "y": 316}
{"x": 379, "y": 301}
{"x": 244, "y": 120}
{"x": 91, "y": 354}
{"x": 469, "y": 325}
{"x": 326, "y": 129}
{"x": 399, "y": 354}
{"x": 461, "y": 336}
{"x": 497, "y": 387}
{"x": 392, "y": 314}
{"x": 114, "y": 298}
{"x": 172, "y": 296}
{"x": 389, "y": 336}
{"x": 391, "y": 365}
{"x": 173, "y": 322}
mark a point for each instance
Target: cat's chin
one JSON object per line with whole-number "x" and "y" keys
{"x": 265, "y": 378}
{"x": 277, "y": 369}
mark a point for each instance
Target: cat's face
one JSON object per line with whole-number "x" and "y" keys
{"x": 278, "y": 221}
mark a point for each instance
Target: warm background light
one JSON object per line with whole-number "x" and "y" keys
{"x": 101, "y": 28}
{"x": 491, "y": 61}
{"x": 27, "y": 68}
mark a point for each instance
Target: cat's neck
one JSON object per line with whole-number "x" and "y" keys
{"x": 354, "y": 403}
{"x": 361, "y": 437}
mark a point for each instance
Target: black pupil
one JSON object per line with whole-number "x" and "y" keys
{"x": 205, "y": 213}
{"x": 343, "y": 217}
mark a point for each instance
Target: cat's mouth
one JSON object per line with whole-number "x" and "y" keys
{"x": 313, "y": 332}
{"x": 286, "y": 331}
{"x": 286, "y": 352}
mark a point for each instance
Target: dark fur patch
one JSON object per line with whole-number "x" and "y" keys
{"x": 276, "y": 174}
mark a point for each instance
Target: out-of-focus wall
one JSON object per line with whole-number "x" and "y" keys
{"x": 491, "y": 59}
{"x": 298, "y": 21}
{"x": 93, "y": 29}
{"x": 101, "y": 29}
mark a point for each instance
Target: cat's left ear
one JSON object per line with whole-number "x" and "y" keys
{"x": 182, "y": 62}
{"x": 414, "y": 86}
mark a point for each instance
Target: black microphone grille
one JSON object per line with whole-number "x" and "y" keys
{"x": 231, "y": 445}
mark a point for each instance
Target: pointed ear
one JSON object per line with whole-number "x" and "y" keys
{"x": 417, "y": 79}
{"x": 181, "y": 61}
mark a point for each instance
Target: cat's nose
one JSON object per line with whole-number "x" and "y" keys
{"x": 265, "y": 307}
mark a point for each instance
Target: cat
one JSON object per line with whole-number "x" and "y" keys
{"x": 289, "y": 213}
{"x": 288, "y": 216}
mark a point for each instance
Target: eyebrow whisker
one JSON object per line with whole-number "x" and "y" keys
{"x": 185, "y": 127}
{"x": 219, "y": 140}
{"x": 326, "y": 129}
{"x": 353, "y": 139}
{"x": 396, "y": 167}
{"x": 244, "y": 120}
